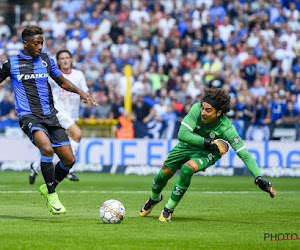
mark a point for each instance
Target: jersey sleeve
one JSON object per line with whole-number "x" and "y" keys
{"x": 5, "y": 70}
{"x": 82, "y": 83}
{"x": 54, "y": 71}
{"x": 186, "y": 130}
{"x": 238, "y": 145}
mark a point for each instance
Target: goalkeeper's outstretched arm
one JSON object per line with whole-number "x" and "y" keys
{"x": 239, "y": 147}
{"x": 255, "y": 171}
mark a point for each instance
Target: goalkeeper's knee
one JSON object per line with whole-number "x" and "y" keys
{"x": 186, "y": 174}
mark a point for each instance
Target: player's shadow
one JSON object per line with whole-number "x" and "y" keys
{"x": 30, "y": 218}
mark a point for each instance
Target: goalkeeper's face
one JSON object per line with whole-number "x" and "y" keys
{"x": 209, "y": 114}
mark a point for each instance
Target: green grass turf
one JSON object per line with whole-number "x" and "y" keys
{"x": 203, "y": 219}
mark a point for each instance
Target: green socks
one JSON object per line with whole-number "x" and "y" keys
{"x": 180, "y": 187}
{"x": 182, "y": 184}
{"x": 159, "y": 182}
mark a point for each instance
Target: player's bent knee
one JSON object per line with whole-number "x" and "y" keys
{"x": 77, "y": 137}
{"x": 167, "y": 171}
{"x": 47, "y": 151}
{"x": 75, "y": 133}
{"x": 69, "y": 162}
{"x": 186, "y": 174}
{"x": 192, "y": 165}
{"x": 186, "y": 170}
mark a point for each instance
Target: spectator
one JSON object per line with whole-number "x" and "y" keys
{"x": 257, "y": 89}
{"x": 7, "y": 108}
{"x": 249, "y": 67}
{"x": 104, "y": 111}
{"x": 217, "y": 10}
{"x": 264, "y": 64}
{"x": 125, "y": 127}
{"x": 14, "y": 46}
{"x": 180, "y": 48}
{"x": 277, "y": 108}
{"x": 245, "y": 111}
{"x": 290, "y": 118}
{"x": 286, "y": 55}
{"x": 28, "y": 20}
{"x": 212, "y": 68}
{"x": 36, "y": 11}
{"x": 225, "y": 29}
{"x": 259, "y": 129}
{"x": 91, "y": 75}
{"x": 59, "y": 27}
{"x": 166, "y": 23}
{"x": 142, "y": 114}
{"x": 160, "y": 109}
{"x": 4, "y": 29}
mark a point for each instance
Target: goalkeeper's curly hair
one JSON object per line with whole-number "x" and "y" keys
{"x": 219, "y": 95}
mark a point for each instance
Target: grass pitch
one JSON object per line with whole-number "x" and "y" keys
{"x": 215, "y": 213}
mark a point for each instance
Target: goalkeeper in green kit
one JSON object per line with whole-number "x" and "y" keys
{"x": 203, "y": 137}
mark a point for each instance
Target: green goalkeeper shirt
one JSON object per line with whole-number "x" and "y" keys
{"x": 193, "y": 131}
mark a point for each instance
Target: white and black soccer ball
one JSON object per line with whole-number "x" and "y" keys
{"x": 112, "y": 212}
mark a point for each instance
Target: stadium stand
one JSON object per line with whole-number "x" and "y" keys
{"x": 175, "y": 49}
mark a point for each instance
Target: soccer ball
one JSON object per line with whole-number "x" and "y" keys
{"x": 112, "y": 212}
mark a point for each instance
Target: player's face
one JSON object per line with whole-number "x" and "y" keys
{"x": 64, "y": 61}
{"x": 209, "y": 114}
{"x": 33, "y": 46}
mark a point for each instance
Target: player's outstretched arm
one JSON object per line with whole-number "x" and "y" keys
{"x": 67, "y": 85}
{"x": 265, "y": 186}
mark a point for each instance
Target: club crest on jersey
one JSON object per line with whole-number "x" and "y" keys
{"x": 44, "y": 64}
{"x": 212, "y": 135}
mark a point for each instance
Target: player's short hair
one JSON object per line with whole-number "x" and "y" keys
{"x": 63, "y": 51}
{"x": 220, "y": 97}
{"x": 31, "y": 31}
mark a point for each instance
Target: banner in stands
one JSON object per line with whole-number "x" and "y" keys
{"x": 146, "y": 156}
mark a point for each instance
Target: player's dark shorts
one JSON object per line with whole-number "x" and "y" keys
{"x": 180, "y": 155}
{"x": 50, "y": 125}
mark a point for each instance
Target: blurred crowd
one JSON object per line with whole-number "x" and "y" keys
{"x": 175, "y": 48}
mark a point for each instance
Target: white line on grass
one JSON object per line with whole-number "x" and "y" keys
{"x": 142, "y": 192}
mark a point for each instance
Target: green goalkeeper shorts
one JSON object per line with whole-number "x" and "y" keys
{"x": 180, "y": 155}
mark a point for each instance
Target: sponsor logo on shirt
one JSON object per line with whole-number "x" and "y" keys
{"x": 32, "y": 76}
{"x": 19, "y": 66}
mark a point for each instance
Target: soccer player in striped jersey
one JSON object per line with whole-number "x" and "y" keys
{"x": 197, "y": 150}
{"x": 29, "y": 72}
{"x": 68, "y": 104}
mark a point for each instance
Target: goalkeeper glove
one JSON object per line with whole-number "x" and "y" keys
{"x": 210, "y": 146}
{"x": 217, "y": 145}
{"x": 265, "y": 186}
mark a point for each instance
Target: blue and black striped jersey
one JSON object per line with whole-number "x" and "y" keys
{"x": 29, "y": 77}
